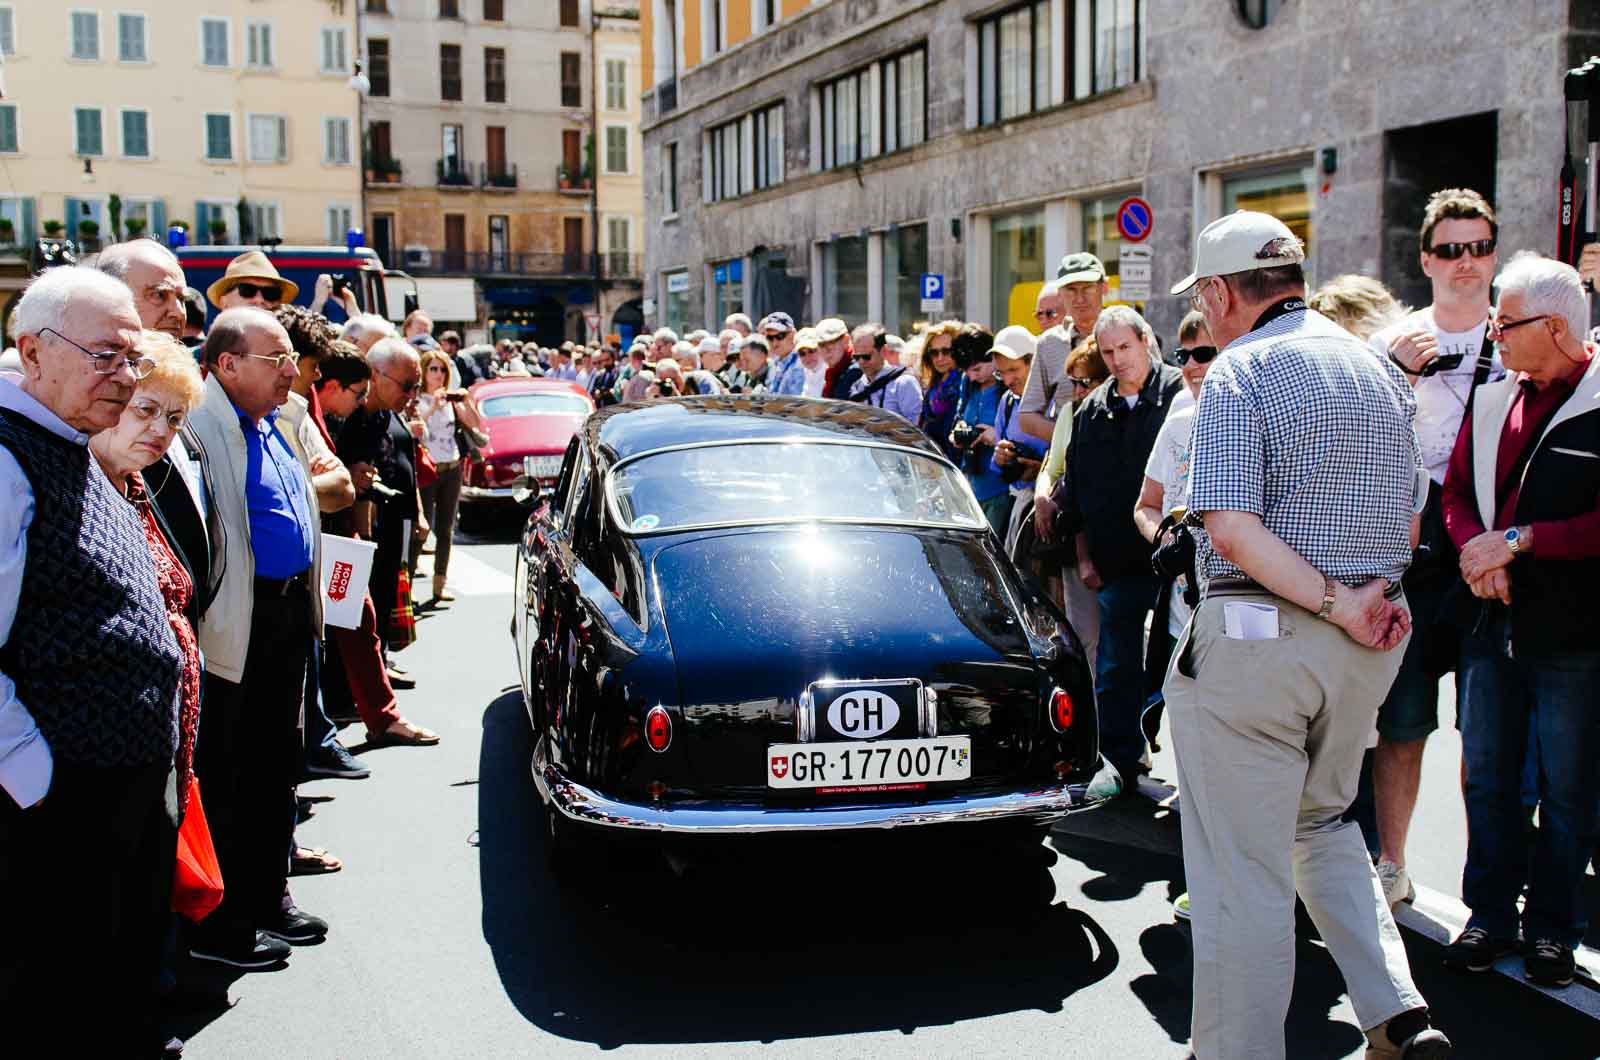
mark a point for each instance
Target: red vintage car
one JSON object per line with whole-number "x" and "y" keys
{"x": 529, "y": 423}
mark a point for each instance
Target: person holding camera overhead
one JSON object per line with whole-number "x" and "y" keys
{"x": 446, "y": 414}
{"x": 973, "y": 436}
{"x": 1446, "y": 354}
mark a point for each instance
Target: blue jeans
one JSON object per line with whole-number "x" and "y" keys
{"x": 1499, "y": 697}
{"x": 1120, "y": 684}
{"x": 320, "y": 731}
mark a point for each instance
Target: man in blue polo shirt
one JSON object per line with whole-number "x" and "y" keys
{"x": 256, "y": 639}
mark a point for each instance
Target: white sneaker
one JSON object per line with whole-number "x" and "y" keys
{"x": 1397, "y": 886}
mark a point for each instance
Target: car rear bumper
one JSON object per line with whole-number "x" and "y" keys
{"x": 587, "y": 806}
{"x": 488, "y": 493}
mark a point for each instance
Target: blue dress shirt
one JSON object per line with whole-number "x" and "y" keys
{"x": 281, "y": 521}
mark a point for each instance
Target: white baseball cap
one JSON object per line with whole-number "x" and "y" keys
{"x": 1014, "y": 343}
{"x": 1241, "y": 242}
{"x": 709, "y": 345}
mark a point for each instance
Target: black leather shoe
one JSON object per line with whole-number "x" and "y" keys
{"x": 297, "y": 926}
{"x": 266, "y": 952}
{"x": 334, "y": 761}
{"x": 398, "y": 678}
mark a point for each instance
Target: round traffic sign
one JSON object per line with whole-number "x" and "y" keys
{"x": 1135, "y": 219}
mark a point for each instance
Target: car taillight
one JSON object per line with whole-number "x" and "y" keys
{"x": 1060, "y": 710}
{"x": 658, "y": 729}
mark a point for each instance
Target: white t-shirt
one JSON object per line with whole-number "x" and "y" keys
{"x": 1169, "y": 465}
{"x": 816, "y": 378}
{"x": 441, "y": 420}
{"x": 1441, "y": 398}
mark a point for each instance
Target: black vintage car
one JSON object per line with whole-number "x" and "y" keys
{"x": 756, "y": 614}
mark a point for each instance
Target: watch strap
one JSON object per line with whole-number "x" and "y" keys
{"x": 1326, "y": 611}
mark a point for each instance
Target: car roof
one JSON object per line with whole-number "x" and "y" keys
{"x": 488, "y": 388}
{"x": 623, "y": 431}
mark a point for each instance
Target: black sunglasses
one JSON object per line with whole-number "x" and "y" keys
{"x": 863, "y": 356}
{"x": 1478, "y": 248}
{"x": 1201, "y": 354}
{"x": 271, "y": 292}
{"x": 1080, "y": 383}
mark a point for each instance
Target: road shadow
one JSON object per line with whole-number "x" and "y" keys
{"x": 768, "y": 941}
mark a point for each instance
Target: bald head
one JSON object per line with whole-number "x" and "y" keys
{"x": 396, "y": 374}
{"x": 250, "y": 355}
{"x": 153, "y": 274}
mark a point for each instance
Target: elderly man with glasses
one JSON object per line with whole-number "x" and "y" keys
{"x": 1066, "y": 313}
{"x": 257, "y": 637}
{"x": 89, "y": 671}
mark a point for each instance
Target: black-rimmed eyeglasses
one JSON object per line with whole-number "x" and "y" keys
{"x": 109, "y": 362}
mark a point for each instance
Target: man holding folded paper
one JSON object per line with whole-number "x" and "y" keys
{"x": 1306, "y": 473}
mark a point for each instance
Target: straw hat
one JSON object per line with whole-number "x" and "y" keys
{"x": 251, "y": 265}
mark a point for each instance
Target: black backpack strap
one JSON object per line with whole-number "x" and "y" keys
{"x": 1480, "y": 375}
{"x": 878, "y": 384}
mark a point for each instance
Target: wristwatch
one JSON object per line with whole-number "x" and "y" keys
{"x": 1325, "y": 612}
{"x": 1514, "y": 540}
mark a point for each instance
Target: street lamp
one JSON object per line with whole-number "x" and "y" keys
{"x": 359, "y": 82}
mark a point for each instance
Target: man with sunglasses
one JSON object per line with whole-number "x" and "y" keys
{"x": 881, "y": 384}
{"x": 1445, "y": 352}
{"x": 1066, "y": 312}
{"x": 787, "y": 375}
{"x": 251, "y": 279}
{"x": 1522, "y": 502}
{"x": 89, "y": 669}
{"x": 256, "y": 639}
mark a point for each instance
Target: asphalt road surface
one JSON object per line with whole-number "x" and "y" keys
{"x": 450, "y": 939}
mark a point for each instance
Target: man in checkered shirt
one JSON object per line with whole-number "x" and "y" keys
{"x": 1306, "y": 472}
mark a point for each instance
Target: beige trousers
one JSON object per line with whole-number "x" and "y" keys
{"x": 1269, "y": 736}
{"x": 1083, "y": 612}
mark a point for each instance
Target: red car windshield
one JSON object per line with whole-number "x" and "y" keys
{"x": 532, "y": 404}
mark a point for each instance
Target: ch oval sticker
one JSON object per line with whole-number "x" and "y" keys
{"x": 863, "y": 714}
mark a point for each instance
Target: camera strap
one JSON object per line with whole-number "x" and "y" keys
{"x": 878, "y": 385}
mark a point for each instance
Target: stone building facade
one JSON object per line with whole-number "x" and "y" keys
{"x": 1030, "y": 122}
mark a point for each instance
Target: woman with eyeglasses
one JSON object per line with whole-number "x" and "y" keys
{"x": 443, "y": 413}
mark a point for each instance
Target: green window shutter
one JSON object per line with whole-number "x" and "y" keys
{"x": 29, "y": 231}
{"x": 158, "y": 220}
{"x": 70, "y": 212}
{"x": 202, "y": 221}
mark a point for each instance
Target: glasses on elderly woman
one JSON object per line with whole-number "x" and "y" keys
{"x": 109, "y": 362}
{"x": 148, "y": 411}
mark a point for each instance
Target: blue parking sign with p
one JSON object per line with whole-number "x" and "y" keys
{"x": 932, "y": 286}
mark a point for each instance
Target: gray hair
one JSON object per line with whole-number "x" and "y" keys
{"x": 737, "y": 318}
{"x": 364, "y": 326}
{"x": 1547, "y": 286}
{"x": 118, "y": 258}
{"x": 1122, "y": 316}
{"x": 45, "y": 302}
{"x": 387, "y": 351}
{"x": 1051, "y": 289}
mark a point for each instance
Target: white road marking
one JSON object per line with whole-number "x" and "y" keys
{"x": 469, "y": 576}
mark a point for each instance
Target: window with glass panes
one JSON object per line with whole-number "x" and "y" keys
{"x": 616, "y": 148}
{"x": 905, "y": 99}
{"x": 767, "y": 134}
{"x": 89, "y": 139}
{"x": 259, "y": 47}
{"x": 8, "y": 32}
{"x": 1016, "y": 266}
{"x": 1104, "y": 45}
{"x": 341, "y": 219}
{"x": 494, "y": 75}
{"x": 669, "y": 177}
{"x": 378, "y": 66}
{"x": 130, "y": 39}
{"x": 264, "y": 220}
{"x": 219, "y": 137}
{"x": 269, "y": 138}
{"x": 618, "y": 231}
{"x": 450, "y": 71}
{"x": 571, "y": 79}
{"x": 136, "y": 133}
{"x": 336, "y": 141}
{"x": 494, "y": 10}
{"x": 905, "y": 259}
{"x": 1014, "y": 62}
{"x": 847, "y": 119}
{"x": 335, "y": 49}
{"x": 1100, "y": 235}
{"x": 85, "y": 35}
{"x": 844, "y": 278}
{"x": 8, "y": 128}
{"x": 214, "y": 42}
{"x": 1282, "y": 191}
{"x": 725, "y": 144}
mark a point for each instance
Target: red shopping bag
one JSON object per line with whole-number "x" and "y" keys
{"x": 197, "y": 882}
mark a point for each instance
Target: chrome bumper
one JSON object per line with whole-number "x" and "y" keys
{"x": 587, "y": 806}
{"x": 487, "y": 493}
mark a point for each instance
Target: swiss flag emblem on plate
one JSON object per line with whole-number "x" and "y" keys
{"x": 780, "y": 766}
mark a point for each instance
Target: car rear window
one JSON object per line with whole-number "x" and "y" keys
{"x": 789, "y": 482}
{"x": 534, "y": 405}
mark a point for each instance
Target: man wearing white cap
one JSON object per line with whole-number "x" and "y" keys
{"x": 1306, "y": 474}
{"x": 1067, "y": 309}
{"x": 1018, "y": 455}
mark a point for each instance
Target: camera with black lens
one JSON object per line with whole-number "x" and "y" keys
{"x": 965, "y": 435}
{"x": 666, "y": 388}
{"x": 1011, "y": 472}
{"x": 339, "y": 285}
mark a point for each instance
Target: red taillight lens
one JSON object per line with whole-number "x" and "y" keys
{"x": 658, "y": 729}
{"x": 1060, "y": 710}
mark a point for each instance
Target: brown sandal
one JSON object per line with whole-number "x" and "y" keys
{"x": 417, "y": 737}
{"x": 313, "y": 861}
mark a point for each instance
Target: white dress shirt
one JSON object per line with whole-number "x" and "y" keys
{"x": 25, "y": 762}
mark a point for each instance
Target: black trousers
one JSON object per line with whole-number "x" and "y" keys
{"x": 86, "y": 877}
{"x": 248, "y": 756}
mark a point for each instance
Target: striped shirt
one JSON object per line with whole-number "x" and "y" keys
{"x": 1299, "y": 424}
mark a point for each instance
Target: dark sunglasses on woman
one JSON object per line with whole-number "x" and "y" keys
{"x": 1201, "y": 354}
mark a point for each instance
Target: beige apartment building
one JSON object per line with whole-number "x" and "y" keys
{"x": 235, "y": 117}
{"x": 483, "y": 170}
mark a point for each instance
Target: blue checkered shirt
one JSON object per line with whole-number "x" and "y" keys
{"x": 1299, "y": 424}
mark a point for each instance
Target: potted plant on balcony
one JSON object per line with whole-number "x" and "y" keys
{"x": 8, "y": 232}
{"x": 88, "y": 234}
{"x": 134, "y": 227}
{"x": 218, "y": 227}
{"x": 564, "y": 176}
{"x": 53, "y": 229}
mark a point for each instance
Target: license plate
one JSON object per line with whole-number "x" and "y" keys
{"x": 884, "y": 765}
{"x": 541, "y": 466}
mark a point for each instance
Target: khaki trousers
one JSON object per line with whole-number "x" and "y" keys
{"x": 1082, "y": 606}
{"x": 1269, "y": 736}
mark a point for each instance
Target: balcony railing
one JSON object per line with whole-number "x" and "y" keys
{"x": 436, "y": 262}
{"x": 453, "y": 173}
{"x": 574, "y": 181}
{"x": 616, "y": 265}
{"x": 502, "y": 176}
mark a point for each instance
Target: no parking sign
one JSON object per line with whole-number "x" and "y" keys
{"x": 1135, "y": 219}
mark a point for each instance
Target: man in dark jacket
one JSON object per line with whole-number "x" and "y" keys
{"x": 1113, "y": 432}
{"x": 1522, "y": 503}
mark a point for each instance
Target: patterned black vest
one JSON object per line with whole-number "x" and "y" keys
{"x": 91, "y": 650}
